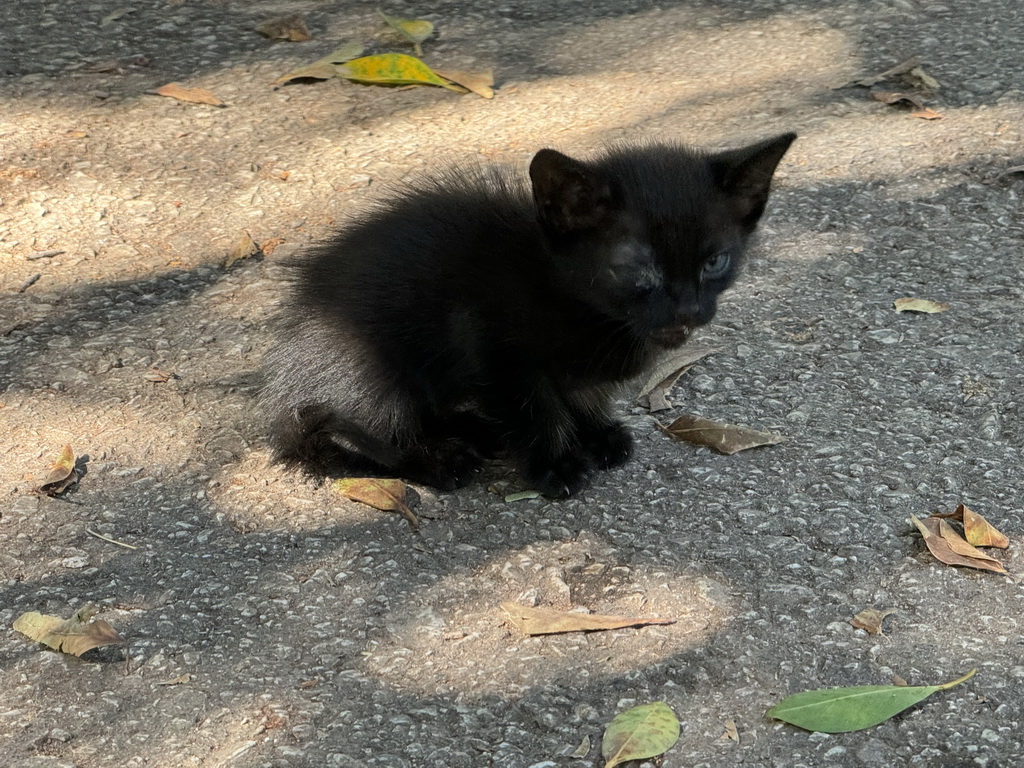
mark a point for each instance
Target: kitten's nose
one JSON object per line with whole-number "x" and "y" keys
{"x": 691, "y": 311}
{"x": 688, "y": 310}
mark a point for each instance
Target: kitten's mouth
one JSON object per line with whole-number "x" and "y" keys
{"x": 672, "y": 335}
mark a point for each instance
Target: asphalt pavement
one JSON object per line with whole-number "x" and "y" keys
{"x": 270, "y": 622}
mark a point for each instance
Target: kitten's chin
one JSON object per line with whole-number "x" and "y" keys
{"x": 672, "y": 335}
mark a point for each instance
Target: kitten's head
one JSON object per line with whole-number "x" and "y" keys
{"x": 651, "y": 235}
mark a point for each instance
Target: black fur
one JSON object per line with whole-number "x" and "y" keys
{"x": 476, "y": 314}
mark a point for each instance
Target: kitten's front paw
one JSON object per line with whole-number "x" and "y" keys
{"x": 611, "y": 446}
{"x": 447, "y": 465}
{"x": 560, "y": 477}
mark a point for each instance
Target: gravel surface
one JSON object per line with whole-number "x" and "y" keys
{"x": 301, "y": 629}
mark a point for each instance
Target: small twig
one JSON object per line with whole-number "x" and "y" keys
{"x": 91, "y": 532}
{"x": 29, "y": 283}
{"x": 43, "y": 255}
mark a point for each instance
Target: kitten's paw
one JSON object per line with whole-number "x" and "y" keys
{"x": 558, "y": 478}
{"x": 446, "y": 466}
{"x": 611, "y": 446}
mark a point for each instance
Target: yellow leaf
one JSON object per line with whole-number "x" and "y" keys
{"x": 75, "y": 635}
{"x": 638, "y": 733}
{"x": 479, "y": 83}
{"x": 982, "y": 533}
{"x": 244, "y": 248}
{"x": 731, "y": 731}
{"x": 62, "y": 474}
{"x": 324, "y": 68}
{"x": 391, "y": 69}
{"x": 977, "y": 530}
{"x": 549, "y": 621}
{"x": 192, "y": 95}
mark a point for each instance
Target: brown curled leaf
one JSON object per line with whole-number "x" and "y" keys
{"x": 949, "y": 548}
{"x": 75, "y": 635}
{"x": 724, "y": 438}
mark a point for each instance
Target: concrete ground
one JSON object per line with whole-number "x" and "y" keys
{"x": 301, "y": 629}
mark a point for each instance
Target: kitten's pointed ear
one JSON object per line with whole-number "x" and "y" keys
{"x": 745, "y": 174}
{"x": 570, "y": 196}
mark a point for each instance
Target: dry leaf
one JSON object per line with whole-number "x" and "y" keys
{"x": 291, "y": 28}
{"x": 724, "y": 438}
{"x": 547, "y": 621}
{"x": 267, "y": 247}
{"x": 980, "y": 532}
{"x": 480, "y": 83}
{"x": 244, "y": 248}
{"x": 653, "y": 394}
{"x": 582, "y": 750}
{"x": 191, "y": 95}
{"x": 158, "y": 376}
{"x": 731, "y": 731}
{"x": 870, "y": 620}
{"x": 324, "y": 68}
{"x": 920, "y": 305}
{"x": 897, "y": 97}
{"x": 75, "y": 635}
{"x": 927, "y": 114}
{"x": 960, "y": 545}
{"x": 947, "y": 546}
{"x": 900, "y": 69}
{"x": 383, "y": 494}
{"x": 61, "y": 475}
{"x": 977, "y": 530}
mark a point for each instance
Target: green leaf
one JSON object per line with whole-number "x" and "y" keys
{"x": 839, "y": 710}
{"x": 392, "y": 69}
{"x": 638, "y": 733}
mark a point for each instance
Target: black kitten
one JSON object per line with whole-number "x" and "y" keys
{"x": 470, "y": 317}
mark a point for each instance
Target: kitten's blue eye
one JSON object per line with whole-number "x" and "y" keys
{"x": 717, "y": 266}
